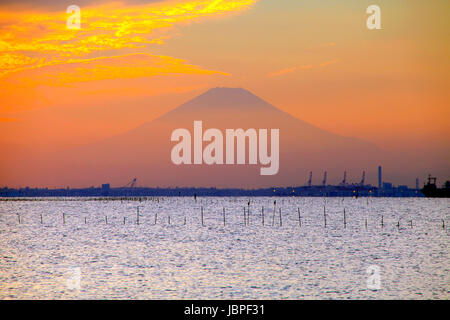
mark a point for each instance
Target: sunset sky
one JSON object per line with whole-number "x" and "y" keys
{"x": 132, "y": 61}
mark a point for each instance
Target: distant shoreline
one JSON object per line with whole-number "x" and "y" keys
{"x": 105, "y": 192}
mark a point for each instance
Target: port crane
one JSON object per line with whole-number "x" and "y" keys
{"x": 131, "y": 184}
{"x": 310, "y": 179}
{"x": 344, "y": 181}
{"x": 363, "y": 179}
{"x": 324, "y": 181}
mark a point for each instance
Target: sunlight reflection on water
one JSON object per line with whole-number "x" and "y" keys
{"x": 235, "y": 261}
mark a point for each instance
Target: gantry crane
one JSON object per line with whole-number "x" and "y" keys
{"x": 131, "y": 184}
{"x": 363, "y": 179}
{"x": 344, "y": 181}
{"x": 324, "y": 181}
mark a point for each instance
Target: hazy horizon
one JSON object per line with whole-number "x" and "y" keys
{"x": 65, "y": 89}
{"x": 228, "y": 108}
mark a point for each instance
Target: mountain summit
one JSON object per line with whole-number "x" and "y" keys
{"x": 225, "y": 98}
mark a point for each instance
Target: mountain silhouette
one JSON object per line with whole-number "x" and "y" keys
{"x": 144, "y": 152}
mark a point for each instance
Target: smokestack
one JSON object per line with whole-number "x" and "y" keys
{"x": 380, "y": 180}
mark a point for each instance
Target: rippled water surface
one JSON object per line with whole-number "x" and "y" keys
{"x": 101, "y": 244}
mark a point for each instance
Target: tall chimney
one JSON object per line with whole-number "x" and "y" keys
{"x": 380, "y": 180}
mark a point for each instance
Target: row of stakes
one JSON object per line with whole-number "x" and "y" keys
{"x": 246, "y": 218}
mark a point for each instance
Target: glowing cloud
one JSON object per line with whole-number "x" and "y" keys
{"x": 326, "y": 63}
{"x": 289, "y": 70}
{"x": 303, "y": 67}
{"x": 33, "y": 39}
{"x": 116, "y": 67}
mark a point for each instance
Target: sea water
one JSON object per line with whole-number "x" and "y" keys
{"x": 78, "y": 248}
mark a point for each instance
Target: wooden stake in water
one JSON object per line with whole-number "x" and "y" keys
{"x": 262, "y": 215}
{"x": 169, "y": 219}
{"x": 106, "y": 219}
{"x": 281, "y": 220}
{"x": 203, "y": 224}
{"x": 366, "y": 222}
{"x": 184, "y": 220}
{"x": 41, "y": 218}
{"x": 18, "y": 217}
{"x": 156, "y": 217}
{"x": 224, "y": 216}
{"x": 248, "y": 216}
{"x": 84, "y": 220}
{"x": 345, "y": 221}
{"x": 410, "y": 223}
{"x": 273, "y": 216}
{"x": 443, "y": 224}
{"x": 64, "y": 218}
{"x": 398, "y": 224}
{"x": 124, "y": 219}
{"x": 137, "y": 215}
{"x": 299, "y": 217}
{"x": 382, "y": 222}
{"x": 324, "y": 217}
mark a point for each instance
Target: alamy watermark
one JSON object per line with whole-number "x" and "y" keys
{"x": 373, "y": 280}
{"x": 73, "y": 280}
{"x": 74, "y": 20}
{"x": 213, "y": 153}
{"x": 374, "y": 20}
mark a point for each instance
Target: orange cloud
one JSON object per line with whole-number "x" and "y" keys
{"x": 116, "y": 67}
{"x": 105, "y": 79}
{"x": 303, "y": 67}
{"x": 289, "y": 70}
{"x": 326, "y": 63}
{"x": 33, "y": 39}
